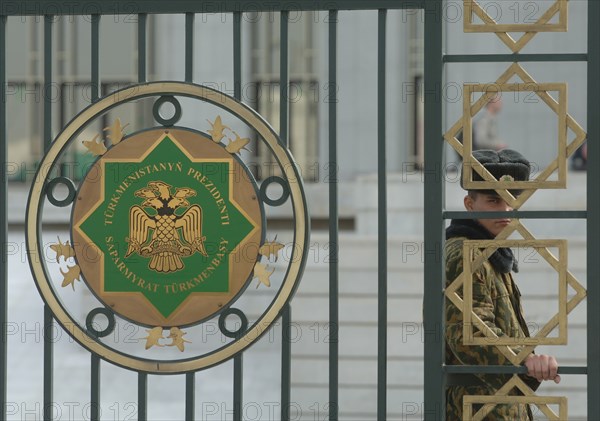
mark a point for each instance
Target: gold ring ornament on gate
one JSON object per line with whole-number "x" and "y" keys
{"x": 168, "y": 229}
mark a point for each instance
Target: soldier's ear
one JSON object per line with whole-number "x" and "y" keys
{"x": 468, "y": 202}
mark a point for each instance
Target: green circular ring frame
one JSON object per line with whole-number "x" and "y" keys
{"x": 294, "y": 269}
{"x": 61, "y": 203}
{"x": 166, "y": 99}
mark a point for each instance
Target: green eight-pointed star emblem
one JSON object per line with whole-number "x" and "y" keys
{"x": 168, "y": 224}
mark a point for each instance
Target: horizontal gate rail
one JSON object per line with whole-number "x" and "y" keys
{"x": 505, "y": 369}
{"x": 516, "y": 214}
{"x": 510, "y": 58}
{"x": 118, "y": 7}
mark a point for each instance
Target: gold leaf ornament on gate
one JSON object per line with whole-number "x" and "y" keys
{"x": 116, "y": 131}
{"x": 62, "y": 249}
{"x": 166, "y": 247}
{"x": 93, "y": 147}
{"x": 217, "y": 129}
{"x": 73, "y": 272}
{"x": 270, "y": 249}
{"x": 235, "y": 143}
{"x": 155, "y": 335}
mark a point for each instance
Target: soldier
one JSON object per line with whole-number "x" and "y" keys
{"x": 496, "y": 298}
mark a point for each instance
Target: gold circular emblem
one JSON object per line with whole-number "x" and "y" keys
{"x": 167, "y": 227}
{"x": 167, "y": 231}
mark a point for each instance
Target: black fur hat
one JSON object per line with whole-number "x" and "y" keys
{"x": 506, "y": 164}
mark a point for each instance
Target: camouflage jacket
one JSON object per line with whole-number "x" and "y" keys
{"x": 496, "y": 300}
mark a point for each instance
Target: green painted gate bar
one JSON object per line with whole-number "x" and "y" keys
{"x": 433, "y": 300}
{"x": 284, "y": 124}
{"x": 47, "y": 140}
{"x": 435, "y": 214}
{"x": 189, "y": 47}
{"x": 381, "y": 220}
{"x": 142, "y": 50}
{"x": 333, "y": 223}
{"x": 238, "y": 360}
{"x": 3, "y": 222}
{"x": 593, "y": 206}
{"x": 95, "y": 363}
{"x": 95, "y": 51}
{"x": 142, "y": 394}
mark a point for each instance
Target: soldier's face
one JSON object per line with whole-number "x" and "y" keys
{"x": 482, "y": 202}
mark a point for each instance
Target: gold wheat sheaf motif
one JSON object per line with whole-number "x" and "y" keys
{"x": 165, "y": 248}
{"x": 73, "y": 272}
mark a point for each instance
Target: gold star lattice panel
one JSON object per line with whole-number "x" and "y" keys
{"x": 470, "y": 163}
{"x": 529, "y": 30}
{"x": 490, "y": 338}
{"x": 473, "y": 258}
{"x": 565, "y": 122}
{"x": 502, "y": 397}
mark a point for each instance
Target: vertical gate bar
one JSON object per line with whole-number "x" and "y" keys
{"x": 286, "y": 363}
{"x": 95, "y": 57}
{"x": 238, "y": 360}
{"x": 95, "y": 359}
{"x": 48, "y": 24}
{"x": 433, "y": 301}
{"x": 142, "y": 396}
{"x": 382, "y": 222}
{"x": 142, "y": 21}
{"x": 48, "y": 319}
{"x": 333, "y": 224}
{"x": 286, "y": 312}
{"x": 190, "y": 396}
{"x": 3, "y": 222}
{"x": 284, "y": 78}
{"x": 593, "y": 208}
{"x": 189, "y": 46}
{"x": 238, "y": 386}
{"x": 237, "y": 55}
{"x": 48, "y": 362}
{"x": 95, "y": 388}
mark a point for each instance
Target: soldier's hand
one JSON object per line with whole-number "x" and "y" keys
{"x": 542, "y": 367}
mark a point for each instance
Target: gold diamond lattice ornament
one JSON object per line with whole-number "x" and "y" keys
{"x": 527, "y": 396}
{"x": 473, "y": 258}
{"x": 529, "y": 30}
{"x": 565, "y": 147}
{"x": 465, "y": 303}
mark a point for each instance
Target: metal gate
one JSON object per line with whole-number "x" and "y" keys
{"x": 434, "y": 204}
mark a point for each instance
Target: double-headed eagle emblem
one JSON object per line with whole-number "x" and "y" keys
{"x": 165, "y": 246}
